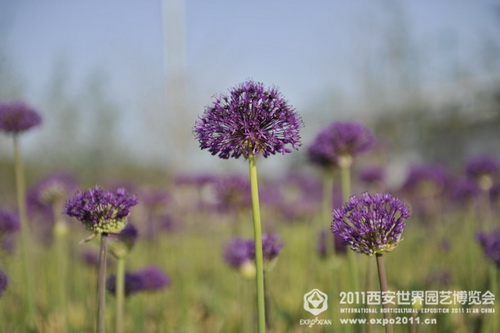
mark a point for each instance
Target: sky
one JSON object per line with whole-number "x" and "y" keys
{"x": 309, "y": 49}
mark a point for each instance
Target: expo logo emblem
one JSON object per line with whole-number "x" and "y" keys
{"x": 315, "y": 302}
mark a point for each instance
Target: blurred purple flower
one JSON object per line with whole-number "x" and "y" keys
{"x": 156, "y": 200}
{"x": 16, "y": 117}
{"x": 482, "y": 170}
{"x": 339, "y": 142}
{"x": 271, "y": 247}
{"x": 237, "y": 252}
{"x": 51, "y": 189}
{"x": 149, "y": 279}
{"x": 101, "y": 211}
{"x": 232, "y": 193}
{"x": 490, "y": 242}
{"x": 250, "y": 120}
{"x": 122, "y": 243}
{"x": 479, "y": 166}
{"x": 464, "y": 191}
{"x": 9, "y": 222}
{"x": 91, "y": 259}
{"x": 154, "y": 279}
{"x": 196, "y": 180}
{"x": 46, "y": 196}
{"x": 426, "y": 179}
{"x": 371, "y": 224}
{"x": 134, "y": 283}
{"x": 372, "y": 175}
{"x": 4, "y": 282}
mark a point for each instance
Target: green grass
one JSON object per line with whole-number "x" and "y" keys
{"x": 206, "y": 295}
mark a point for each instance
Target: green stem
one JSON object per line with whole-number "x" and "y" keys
{"x": 101, "y": 285}
{"x": 268, "y": 306}
{"x": 120, "y": 293}
{"x": 259, "y": 277}
{"x": 327, "y": 210}
{"x": 345, "y": 174}
{"x": 382, "y": 277}
{"x": 25, "y": 238}
{"x": 60, "y": 232}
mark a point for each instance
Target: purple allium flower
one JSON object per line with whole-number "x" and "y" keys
{"x": 134, "y": 283}
{"x": 490, "y": 242}
{"x": 339, "y": 142}
{"x": 372, "y": 175}
{"x": 101, "y": 211}
{"x": 9, "y": 222}
{"x": 4, "y": 282}
{"x": 483, "y": 165}
{"x": 16, "y": 117}
{"x": 90, "y": 258}
{"x": 250, "y": 120}
{"x": 154, "y": 279}
{"x": 156, "y": 200}
{"x": 482, "y": 170}
{"x": 51, "y": 189}
{"x": 122, "y": 243}
{"x": 232, "y": 192}
{"x": 371, "y": 224}
{"x": 237, "y": 252}
{"x": 148, "y": 279}
{"x": 464, "y": 191}
{"x": 426, "y": 179}
{"x": 271, "y": 247}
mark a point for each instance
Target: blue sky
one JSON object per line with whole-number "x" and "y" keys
{"x": 307, "y": 48}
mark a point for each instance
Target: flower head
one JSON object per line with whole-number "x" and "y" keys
{"x": 101, "y": 211}
{"x": 122, "y": 243}
{"x": 271, "y": 247}
{"x": 371, "y": 224}
{"x": 338, "y": 143}
{"x": 464, "y": 191}
{"x": 154, "y": 279}
{"x": 372, "y": 175}
{"x": 4, "y": 282}
{"x": 250, "y": 120}
{"x": 237, "y": 252}
{"x": 18, "y": 117}
{"x": 51, "y": 189}
{"x": 9, "y": 222}
{"x": 148, "y": 279}
{"x": 482, "y": 170}
{"x": 490, "y": 242}
{"x": 232, "y": 192}
{"x": 133, "y": 283}
{"x": 426, "y": 179}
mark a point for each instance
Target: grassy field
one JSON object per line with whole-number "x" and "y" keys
{"x": 439, "y": 252}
